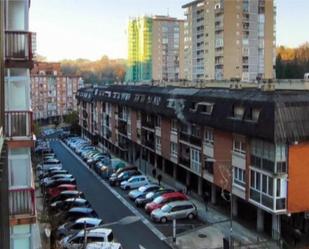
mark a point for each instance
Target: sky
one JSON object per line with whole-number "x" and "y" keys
{"x": 70, "y": 29}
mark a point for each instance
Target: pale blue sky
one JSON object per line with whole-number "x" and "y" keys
{"x": 92, "y": 28}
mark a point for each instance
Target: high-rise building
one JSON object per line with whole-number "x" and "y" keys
{"x": 230, "y": 39}
{"x": 18, "y": 214}
{"x": 155, "y": 49}
{"x": 52, "y": 93}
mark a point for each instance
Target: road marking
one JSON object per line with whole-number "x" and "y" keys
{"x": 160, "y": 235}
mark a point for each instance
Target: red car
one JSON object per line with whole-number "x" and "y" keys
{"x": 160, "y": 201}
{"x": 52, "y": 192}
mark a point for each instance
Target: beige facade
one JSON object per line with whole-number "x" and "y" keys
{"x": 230, "y": 40}
{"x": 52, "y": 94}
{"x": 167, "y": 48}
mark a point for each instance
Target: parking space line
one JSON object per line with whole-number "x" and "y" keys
{"x": 146, "y": 222}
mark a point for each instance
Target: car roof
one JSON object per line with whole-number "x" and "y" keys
{"x": 70, "y": 192}
{"x": 172, "y": 194}
{"x": 89, "y": 220}
{"x": 95, "y": 232}
{"x": 81, "y": 200}
{"x": 179, "y": 203}
{"x": 81, "y": 210}
{"x": 103, "y": 245}
{"x": 66, "y": 186}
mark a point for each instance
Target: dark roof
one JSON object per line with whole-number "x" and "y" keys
{"x": 192, "y": 3}
{"x": 284, "y": 114}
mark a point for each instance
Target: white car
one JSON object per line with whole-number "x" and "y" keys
{"x": 134, "y": 182}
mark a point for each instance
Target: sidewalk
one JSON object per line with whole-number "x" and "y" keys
{"x": 217, "y": 227}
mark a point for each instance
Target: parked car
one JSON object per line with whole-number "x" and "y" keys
{"x": 116, "y": 179}
{"x": 174, "y": 210}
{"x": 50, "y": 163}
{"x": 54, "y": 177}
{"x": 67, "y": 194}
{"x": 142, "y": 191}
{"x": 164, "y": 199}
{"x": 103, "y": 245}
{"x": 143, "y": 200}
{"x": 52, "y": 172}
{"x": 134, "y": 182}
{"x": 52, "y": 192}
{"x": 75, "y": 241}
{"x": 74, "y": 214}
{"x": 60, "y": 206}
{"x": 76, "y": 226}
{"x": 64, "y": 177}
{"x": 58, "y": 182}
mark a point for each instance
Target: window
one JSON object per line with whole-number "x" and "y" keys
{"x": 238, "y": 112}
{"x": 174, "y": 150}
{"x": 158, "y": 143}
{"x": 239, "y": 177}
{"x": 174, "y": 125}
{"x": 195, "y": 157}
{"x": 158, "y": 121}
{"x": 20, "y": 167}
{"x": 209, "y": 136}
{"x": 21, "y": 236}
{"x": 239, "y": 146}
{"x": 206, "y": 108}
{"x": 209, "y": 167}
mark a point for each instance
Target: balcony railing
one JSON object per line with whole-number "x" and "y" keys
{"x": 184, "y": 161}
{"x": 18, "y": 124}
{"x": 18, "y": 45}
{"x": 148, "y": 124}
{"x": 190, "y": 139}
{"x": 22, "y": 201}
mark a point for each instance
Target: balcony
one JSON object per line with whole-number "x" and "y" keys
{"x": 190, "y": 139}
{"x": 149, "y": 144}
{"x": 148, "y": 124}
{"x": 122, "y": 127}
{"x": 19, "y": 47}
{"x": 18, "y": 124}
{"x": 22, "y": 201}
{"x": 184, "y": 161}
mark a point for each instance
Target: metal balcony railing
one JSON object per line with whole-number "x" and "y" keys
{"x": 22, "y": 201}
{"x": 19, "y": 45}
{"x": 190, "y": 139}
{"x": 18, "y": 124}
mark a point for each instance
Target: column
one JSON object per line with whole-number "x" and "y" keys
{"x": 213, "y": 194}
{"x": 174, "y": 171}
{"x": 200, "y": 186}
{"x": 260, "y": 220}
{"x": 235, "y": 206}
{"x": 276, "y": 227}
{"x": 188, "y": 178}
{"x": 163, "y": 165}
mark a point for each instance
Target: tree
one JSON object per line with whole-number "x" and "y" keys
{"x": 72, "y": 119}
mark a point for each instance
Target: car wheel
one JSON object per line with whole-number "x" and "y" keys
{"x": 191, "y": 216}
{"x": 163, "y": 220}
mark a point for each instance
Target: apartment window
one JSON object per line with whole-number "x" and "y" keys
{"x": 158, "y": 143}
{"x": 239, "y": 177}
{"x": 239, "y": 146}
{"x": 195, "y": 157}
{"x": 21, "y": 236}
{"x": 205, "y": 108}
{"x": 255, "y": 180}
{"x": 158, "y": 121}
{"x": 129, "y": 129}
{"x": 238, "y": 111}
{"x": 209, "y": 167}
{"x": 174, "y": 125}
{"x": 174, "y": 150}
{"x": 209, "y": 136}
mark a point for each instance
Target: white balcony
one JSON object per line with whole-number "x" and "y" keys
{"x": 209, "y": 150}
{"x": 158, "y": 131}
{"x": 239, "y": 160}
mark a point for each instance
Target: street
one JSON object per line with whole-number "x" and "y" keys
{"x": 107, "y": 205}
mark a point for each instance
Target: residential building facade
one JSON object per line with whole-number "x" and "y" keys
{"x": 16, "y": 169}
{"x": 52, "y": 93}
{"x": 155, "y": 49}
{"x": 227, "y": 40}
{"x": 250, "y": 142}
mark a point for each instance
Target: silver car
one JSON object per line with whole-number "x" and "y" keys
{"x": 174, "y": 210}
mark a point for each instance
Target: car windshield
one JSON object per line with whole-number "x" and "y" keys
{"x": 158, "y": 200}
{"x": 142, "y": 189}
{"x": 131, "y": 180}
{"x": 149, "y": 195}
{"x": 166, "y": 208}
{"x": 121, "y": 175}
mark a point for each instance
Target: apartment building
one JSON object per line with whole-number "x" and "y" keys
{"x": 52, "y": 93}
{"x": 250, "y": 142}
{"x": 18, "y": 203}
{"x": 155, "y": 49}
{"x": 230, "y": 40}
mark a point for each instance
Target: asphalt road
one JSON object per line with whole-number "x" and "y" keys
{"x": 109, "y": 208}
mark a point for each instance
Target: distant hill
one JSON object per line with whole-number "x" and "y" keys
{"x": 292, "y": 63}
{"x": 102, "y": 71}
